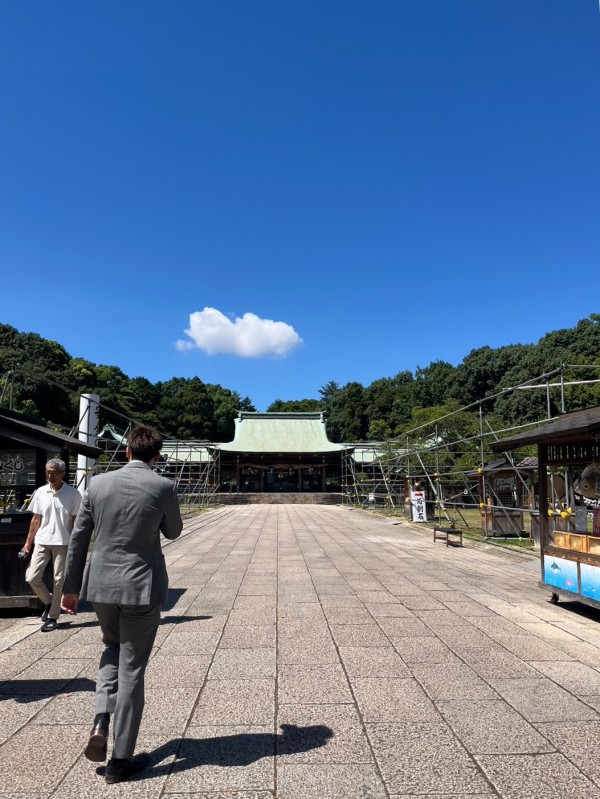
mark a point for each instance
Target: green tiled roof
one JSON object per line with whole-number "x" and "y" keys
{"x": 281, "y": 432}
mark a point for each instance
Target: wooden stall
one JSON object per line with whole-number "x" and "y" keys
{"x": 570, "y": 558}
{"x": 26, "y": 444}
{"x": 504, "y": 490}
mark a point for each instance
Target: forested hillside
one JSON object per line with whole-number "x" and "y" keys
{"x": 46, "y": 380}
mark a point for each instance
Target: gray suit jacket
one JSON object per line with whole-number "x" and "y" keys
{"x": 127, "y": 510}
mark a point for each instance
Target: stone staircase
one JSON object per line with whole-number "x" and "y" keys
{"x": 280, "y": 498}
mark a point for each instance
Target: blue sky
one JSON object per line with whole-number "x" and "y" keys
{"x": 272, "y": 195}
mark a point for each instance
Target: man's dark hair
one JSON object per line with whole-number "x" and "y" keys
{"x": 145, "y": 442}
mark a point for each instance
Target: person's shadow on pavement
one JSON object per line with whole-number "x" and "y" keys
{"x": 234, "y": 750}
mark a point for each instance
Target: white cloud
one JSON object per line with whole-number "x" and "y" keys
{"x": 248, "y": 336}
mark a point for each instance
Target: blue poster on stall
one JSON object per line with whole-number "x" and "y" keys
{"x": 590, "y": 581}
{"x": 561, "y": 573}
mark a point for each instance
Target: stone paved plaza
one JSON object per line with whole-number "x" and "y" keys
{"x": 313, "y": 652}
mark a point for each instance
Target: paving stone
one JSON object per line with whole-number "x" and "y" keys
{"x": 494, "y": 625}
{"x": 337, "y": 615}
{"x": 579, "y": 741}
{"x": 44, "y": 676}
{"x": 528, "y": 648}
{"x": 236, "y": 702}
{"x": 305, "y": 611}
{"x": 457, "y": 627}
{"x": 577, "y": 678}
{"x": 168, "y": 671}
{"x": 423, "y": 650}
{"x": 359, "y": 635}
{"x": 331, "y": 781}
{"x": 86, "y": 780}
{"x": 451, "y": 681}
{"x": 242, "y": 663}
{"x": 361, "y": 661}
{"x": 32, "y": 762}
{"x": 548, "y": 632}
{"x": 441, "y": 796}
{"x": 17, "y": 711}
{"x": 388, "y": 609}
{"x": 543, "y": 776}
{"x": 424, "y": 758}
{"x": 542, "y": 700}
{"x": 302, "y": 652}
{"x": 13, "y": 662}
{"x": 75, "y": 707}
{"x": 248, "y": 637}
{"x": 404, "y": 627}
{"x": 492, "y": 727}
{"x": 321, "y": 734}
{"x": 200, "y": 643}
{"x": 496, "y": 663}
{"x": 313, "y": 684}
{"x": 423, "y": 601}
{"x": 389, "y": 699}
{"x": 224, "y": 759}
{"x": 367, "y": 597}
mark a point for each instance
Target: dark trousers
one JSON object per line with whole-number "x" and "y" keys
{"x": 128, "y": 633}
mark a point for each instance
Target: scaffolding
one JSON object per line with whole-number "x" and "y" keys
{"x": 449, "y": 458}
{"x": 446, "y": 458}
{"x": 194, "y": 466}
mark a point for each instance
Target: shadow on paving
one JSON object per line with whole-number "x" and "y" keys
{"x": 32, "y": 690}
{"x": 233, "y": 750}
{"x": 181, "y": 619}
{"x": 579, "y": 609}
{"x": 173, "y": 598}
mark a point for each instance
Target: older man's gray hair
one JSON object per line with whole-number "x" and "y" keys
{"x": 56, "y": 463}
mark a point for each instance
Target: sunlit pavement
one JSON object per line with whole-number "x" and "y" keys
{"x": 323, "y": 653}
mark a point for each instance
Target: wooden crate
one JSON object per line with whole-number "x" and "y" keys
{"x": 593, "y": 545}
{"x": 560, "y": 539}
{"x": 577, "y": 542}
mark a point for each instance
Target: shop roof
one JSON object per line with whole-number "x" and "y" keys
{"x": 187, "y": 451}
{"x": 504, "y": 465}
{"x": 281, "y": 433}
{"x": 570, "y": 427}
{"x": 21, "y": 428}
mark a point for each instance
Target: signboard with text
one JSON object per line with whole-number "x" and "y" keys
{"x": 417, "y": 503}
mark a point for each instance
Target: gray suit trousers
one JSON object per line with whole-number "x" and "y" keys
{"x": 128, "y": 633}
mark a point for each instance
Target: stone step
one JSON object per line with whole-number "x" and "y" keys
{"x": 280, "y": 498}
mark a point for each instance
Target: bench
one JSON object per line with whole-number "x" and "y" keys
{"x": 447, "y": 533}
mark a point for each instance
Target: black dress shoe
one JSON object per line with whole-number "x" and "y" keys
{"x": 121, "y": 769}
{"x": 96, "y": 746}
{"x": 45, "y": 612}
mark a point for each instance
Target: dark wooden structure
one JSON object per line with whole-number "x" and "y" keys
{"x": 504, "y": 490}
{"x": 570, "y": 560}
{"x": 26, "y": 445}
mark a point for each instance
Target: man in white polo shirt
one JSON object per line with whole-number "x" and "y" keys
{"x": 54, "y": 507}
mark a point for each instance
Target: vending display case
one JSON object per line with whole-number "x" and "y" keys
{"x": 569, "y": 558}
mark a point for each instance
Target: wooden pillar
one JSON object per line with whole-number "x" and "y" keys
{"x": 543, "y": 478}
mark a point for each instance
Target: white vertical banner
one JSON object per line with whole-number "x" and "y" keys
{"x": 89, "y": 424}
{"x": 417, "y": 503}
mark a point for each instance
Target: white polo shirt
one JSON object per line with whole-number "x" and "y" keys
{"x": 57, "y": 509}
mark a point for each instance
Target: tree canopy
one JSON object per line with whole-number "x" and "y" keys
{"x": 44, "y": 380}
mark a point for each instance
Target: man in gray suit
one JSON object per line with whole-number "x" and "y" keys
{"x": 126, "y": 580}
